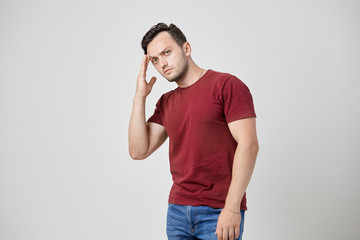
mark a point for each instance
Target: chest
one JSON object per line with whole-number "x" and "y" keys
{"x": 193, "y": 112}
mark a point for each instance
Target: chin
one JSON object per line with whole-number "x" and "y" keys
{"x": 174, "y": 78}
{"x": 171, "y": 80}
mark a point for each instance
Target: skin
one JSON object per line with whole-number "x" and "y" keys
{"x": 174, "y": 63}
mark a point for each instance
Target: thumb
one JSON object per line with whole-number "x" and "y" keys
{"x": 152, "y": 81}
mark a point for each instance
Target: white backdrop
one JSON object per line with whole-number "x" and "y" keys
{"x": 67, "y": 79}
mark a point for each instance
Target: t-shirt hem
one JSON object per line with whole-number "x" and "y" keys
{"x": 196, "y": 203}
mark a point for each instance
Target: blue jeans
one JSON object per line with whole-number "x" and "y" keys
{"x": 190, "y": 222}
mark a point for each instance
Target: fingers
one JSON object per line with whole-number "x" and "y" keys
{"x": 227, "y": 234}
{"x": 231, "y": 234}
{"x": 219, "y": 234}
{"x": 152, "y": 81}
{"x": 144, "y": 65}
{"x": 224, "y": 236}
{"x": 237, "y": 233}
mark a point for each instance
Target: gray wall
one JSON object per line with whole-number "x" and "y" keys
{"x": 67, "y": 78}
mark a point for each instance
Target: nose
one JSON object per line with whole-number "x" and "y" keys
{"x": 163, "y": 62}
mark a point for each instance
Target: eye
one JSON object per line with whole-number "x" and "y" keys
{"x": 154, "y": 60}
{"x": 167, "y": 52}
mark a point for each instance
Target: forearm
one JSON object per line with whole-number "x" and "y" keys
{"x": 243, "y": 167}
{"x": 138, "y": 133}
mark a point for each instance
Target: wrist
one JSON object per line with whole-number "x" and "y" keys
{"x": 140, "y": 97}
{"x": 232, "y": 204}
{"x": 237, "y": 212}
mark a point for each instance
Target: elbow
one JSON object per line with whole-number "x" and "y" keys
{"x": 135, "y": 153}
{"x": 137, "y": 156}
{"x": 256, "y": 146}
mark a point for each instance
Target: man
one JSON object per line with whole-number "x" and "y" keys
{"x": 210, "y": 121}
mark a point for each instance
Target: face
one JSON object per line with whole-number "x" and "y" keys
{"x": 169, "y": 59}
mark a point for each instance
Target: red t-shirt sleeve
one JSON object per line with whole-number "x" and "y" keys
{"x": 156, "y": 117}
{"x": 237, "y": 100}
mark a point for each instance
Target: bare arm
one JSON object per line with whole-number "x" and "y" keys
{"x": 244, "y": 132}
{"x": 144, "y": 138}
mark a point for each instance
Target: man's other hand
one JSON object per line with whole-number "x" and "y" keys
{"x": 228, "y": 225}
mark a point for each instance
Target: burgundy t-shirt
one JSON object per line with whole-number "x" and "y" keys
{"x": 201, "y": 147}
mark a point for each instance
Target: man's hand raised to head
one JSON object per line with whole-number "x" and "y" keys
{"x": 143, "y": 88}
{"x": 144, "y": 137}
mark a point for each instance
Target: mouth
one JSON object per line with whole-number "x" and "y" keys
{"x": 167, "y": 70}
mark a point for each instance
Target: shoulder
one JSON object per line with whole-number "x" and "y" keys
{"x": 224, "y": 79}
{"x": 167, "y": 94}
{"x": 219, "y": 75}
{"x": 164, "y": 97}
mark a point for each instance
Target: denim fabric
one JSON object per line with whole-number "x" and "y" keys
{"x": 194, "y": 222}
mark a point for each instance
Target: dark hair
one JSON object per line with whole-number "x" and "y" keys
{"x": 173, "y": 30}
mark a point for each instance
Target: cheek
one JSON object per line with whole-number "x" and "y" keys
{"x": 158, "y": 68}
{"x": 173, "y": 59}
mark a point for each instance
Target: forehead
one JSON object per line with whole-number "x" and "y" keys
{"x": 160, "y": 42}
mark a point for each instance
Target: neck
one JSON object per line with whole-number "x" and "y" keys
{"x": 193, "y": 74}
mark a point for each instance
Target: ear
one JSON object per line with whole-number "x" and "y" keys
{"x": 187, "y": 49}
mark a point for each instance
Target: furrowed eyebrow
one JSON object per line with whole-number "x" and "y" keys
{"x": 162, "y": 52}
